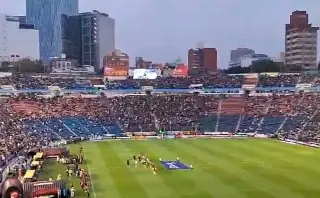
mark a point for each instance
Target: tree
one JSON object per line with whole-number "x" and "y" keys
{"x": 265, "y": 66}
{"x": 5, "y": 67}
{"x": 238, "y": 70}
{"x": 294, "y": 68}
{"x": 28, "y": 66}
{"x": 256, "y": 67}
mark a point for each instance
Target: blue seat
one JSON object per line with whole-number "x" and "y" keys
{"x": 228, "y": 123}
{"x": 271, "y": 124}
{"x": 71, "y": 127}
{"x": 292, "y": 123}
{"x": 249, "y": 124}
{"x": 208, "y": 123}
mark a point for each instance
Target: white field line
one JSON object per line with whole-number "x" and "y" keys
{"x": 89, "y": 171}
{"x": 92, "y": 184}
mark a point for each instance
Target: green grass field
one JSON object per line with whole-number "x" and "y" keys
{"x": 224, "y": 168}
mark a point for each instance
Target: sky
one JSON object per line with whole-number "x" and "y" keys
{"x": 163, "y": 30}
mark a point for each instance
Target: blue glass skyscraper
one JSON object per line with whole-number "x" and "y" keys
{"x": 46, "y": 16}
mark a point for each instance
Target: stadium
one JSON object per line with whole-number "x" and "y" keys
{"x": 244, "y": 136}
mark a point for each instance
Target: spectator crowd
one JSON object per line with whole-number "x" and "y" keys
{"x": 294, "y": 116}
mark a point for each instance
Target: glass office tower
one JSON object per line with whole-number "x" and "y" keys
{"x": 46, "y": 16}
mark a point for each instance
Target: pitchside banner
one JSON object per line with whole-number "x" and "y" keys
{"x": 169, "y": 136}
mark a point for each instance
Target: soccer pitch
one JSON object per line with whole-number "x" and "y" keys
{"x": 222, "y": 168}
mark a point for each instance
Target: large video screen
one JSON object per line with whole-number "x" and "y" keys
{"x": 145, "y": 74}
{"x": 180, "y": 71}
{"x": 115, "y": 71}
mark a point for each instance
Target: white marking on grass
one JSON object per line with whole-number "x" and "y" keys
{"x": 92, "y": 184}
{"x": 89, "y": 171}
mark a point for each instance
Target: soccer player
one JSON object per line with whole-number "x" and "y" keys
{"x": 72, "y": 192}
{"x": 81, "y": 149}
{"x": 128, "y": 162}
{"x": 155, "y": 170}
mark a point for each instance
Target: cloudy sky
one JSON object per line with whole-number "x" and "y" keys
{"x": 163, "y": 30}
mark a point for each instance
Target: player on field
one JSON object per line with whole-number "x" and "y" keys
{"x": 128, "y": 162}
{"x": 155, "y": 170}
{"x": 72, "y": 192}
{"x": 81, "y": 149}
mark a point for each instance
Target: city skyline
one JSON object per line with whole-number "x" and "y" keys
{"x": 167, "y": 33}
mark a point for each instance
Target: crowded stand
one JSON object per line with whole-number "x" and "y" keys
{"x": 306, "y": 79}
{"x": 317, "y": 81}
{"x": 27, "y": 121}
{"x": 215, "y": 81}
{"x": 254, "y": 111}
{"x": 61, "y": 82}
{"x": 278, "y": 81}
{"x": 22, "y": 82}
{"x": 65, "y": 118}
{"x": 219, "y": 81}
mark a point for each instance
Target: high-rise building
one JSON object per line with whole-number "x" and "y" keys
{"x": 116, "y": 65}
{"x": 237, "y": 54}
{"x": 46, "y": 17}
{"x": 98, "y": 37}
{"x": 88, "y": 37}
{"x": 143, "y": 64}
{"x": 202, "y": 60}
{"x": 300, "y": 42}
{"x": 72, "y": 38}
{"x": 13, "y": 34}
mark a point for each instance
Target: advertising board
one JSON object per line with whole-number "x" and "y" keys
{"x": 180, "y": 71}
{"x": 145, "y": 74}
{"x": 116, "y": 71}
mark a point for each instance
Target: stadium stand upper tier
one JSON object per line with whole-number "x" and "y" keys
{"x": 219, "y": 81}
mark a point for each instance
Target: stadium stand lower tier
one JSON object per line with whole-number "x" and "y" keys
{"x": 83, "y": 117}
{"x": 26, "y": 122}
